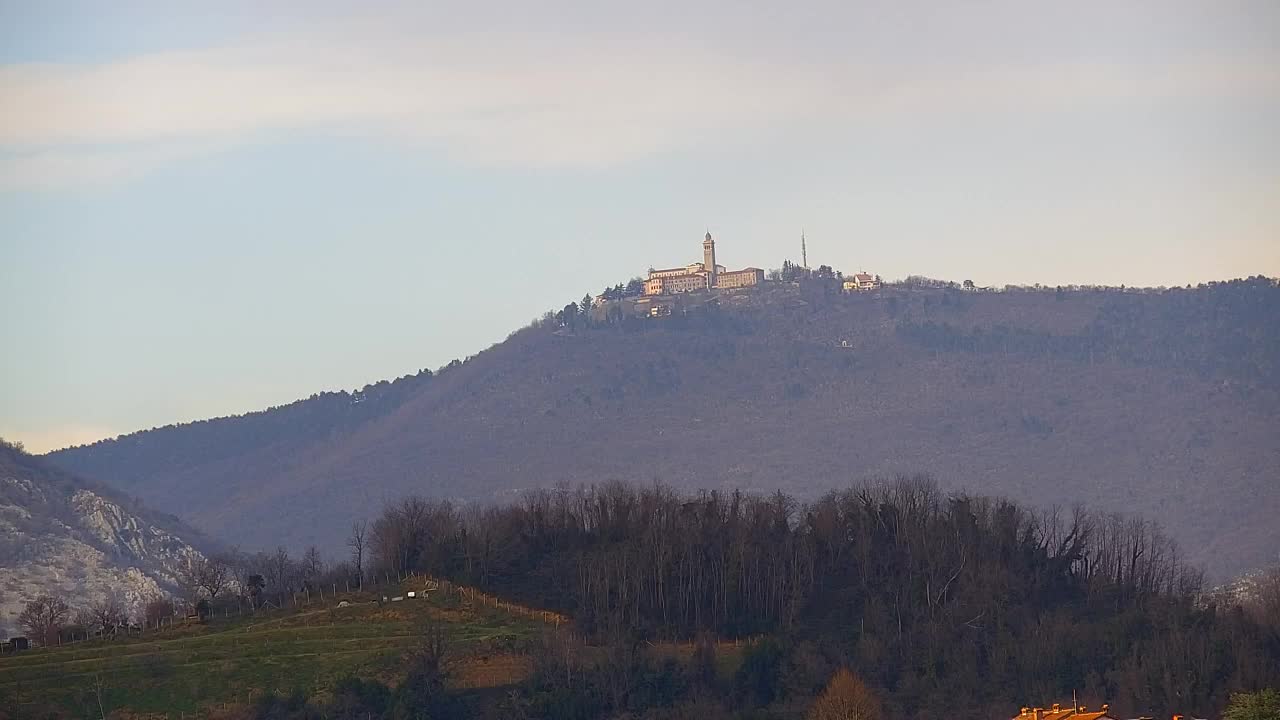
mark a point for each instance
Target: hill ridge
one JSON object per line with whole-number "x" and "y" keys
{"x": 1161, "y": 403}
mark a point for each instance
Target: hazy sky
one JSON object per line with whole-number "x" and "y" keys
{"x": 208, "y": 209}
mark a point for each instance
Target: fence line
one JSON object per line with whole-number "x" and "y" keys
{"x": 484, "y": 599}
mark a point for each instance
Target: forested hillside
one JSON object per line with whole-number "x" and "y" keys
{"x": 1159, "y": 403}
{"x": 958, "y": 605}
{"x": 644, "y": 602}
{"x": 278, "y": 433}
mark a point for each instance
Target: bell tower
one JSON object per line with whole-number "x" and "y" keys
{"x": 709, "y": 259}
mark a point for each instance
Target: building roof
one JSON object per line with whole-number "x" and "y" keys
{"x": 1057, "y": 712}
{"x": 863, "y": 277}
{"x": 676, "y": 272}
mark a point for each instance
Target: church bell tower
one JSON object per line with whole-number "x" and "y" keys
{"x": 709, "y": 259}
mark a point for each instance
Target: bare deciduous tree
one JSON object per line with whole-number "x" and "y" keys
{"x": 98, "y": 687}
{"x": 1264, "y": 600}
{"x": 105, "y": 615}
{"x": 414, "y": 534}
{"x": 846, "y": 698}
{"x": 156, "y": 610}
{"x": 207, "y": 575}
{"x": 44, "y": 616}
{"x": 356, "y": 542}
{"x": 312, "y": 566}
{"x": 279, "y": 570}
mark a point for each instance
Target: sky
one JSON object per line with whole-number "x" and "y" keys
{"x": 211, "y": 208}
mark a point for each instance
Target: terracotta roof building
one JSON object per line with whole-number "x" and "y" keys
{"x": 706, "y": 275}
{"x": 1058, "y": 712}
{"x": 860, "y": 281}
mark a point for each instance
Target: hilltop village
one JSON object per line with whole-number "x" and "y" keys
{"x": 705, "y": 275}
{"x": 656, "y": 294}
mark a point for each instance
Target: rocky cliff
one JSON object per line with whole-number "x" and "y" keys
{"x": 62, "y": 535}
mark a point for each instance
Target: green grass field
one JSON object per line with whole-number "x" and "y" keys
{"x": 194, "y": 669}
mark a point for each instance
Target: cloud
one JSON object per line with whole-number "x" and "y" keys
{"x": 57, "y": 169}
{"x": 488, "y": 97}
{"x": 524, "y": 99}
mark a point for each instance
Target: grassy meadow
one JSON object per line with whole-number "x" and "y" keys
{"x": 199, "y": 668}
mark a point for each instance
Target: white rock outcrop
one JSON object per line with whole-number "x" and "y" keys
{"x": 82, "y": 546}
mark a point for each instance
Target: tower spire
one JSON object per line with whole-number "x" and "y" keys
{"x": 804, "y": 251}
{"x": 709, "y": 259}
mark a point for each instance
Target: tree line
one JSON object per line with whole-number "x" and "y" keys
{"x": 930, "y": 597}
{"x": 893, "y": 599}
{"x": 1227, "y": 329}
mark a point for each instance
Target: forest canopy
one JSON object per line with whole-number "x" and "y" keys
{"x": 929, "y": 597}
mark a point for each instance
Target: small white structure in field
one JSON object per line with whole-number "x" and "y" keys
{"x": 411, "y": 594}
{"x": 397, "y": 598}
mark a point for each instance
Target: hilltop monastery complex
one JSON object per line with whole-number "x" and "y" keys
{"x": 705, "y": 275}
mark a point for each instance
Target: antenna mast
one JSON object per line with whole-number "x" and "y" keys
{"x": 804, "y": 251}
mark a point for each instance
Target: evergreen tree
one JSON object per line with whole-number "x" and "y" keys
{"x": 1261, "y": 705}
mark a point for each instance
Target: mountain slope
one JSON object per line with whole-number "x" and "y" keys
{"x": 61, "y": 535}
{"x": 1161, "y": 404}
